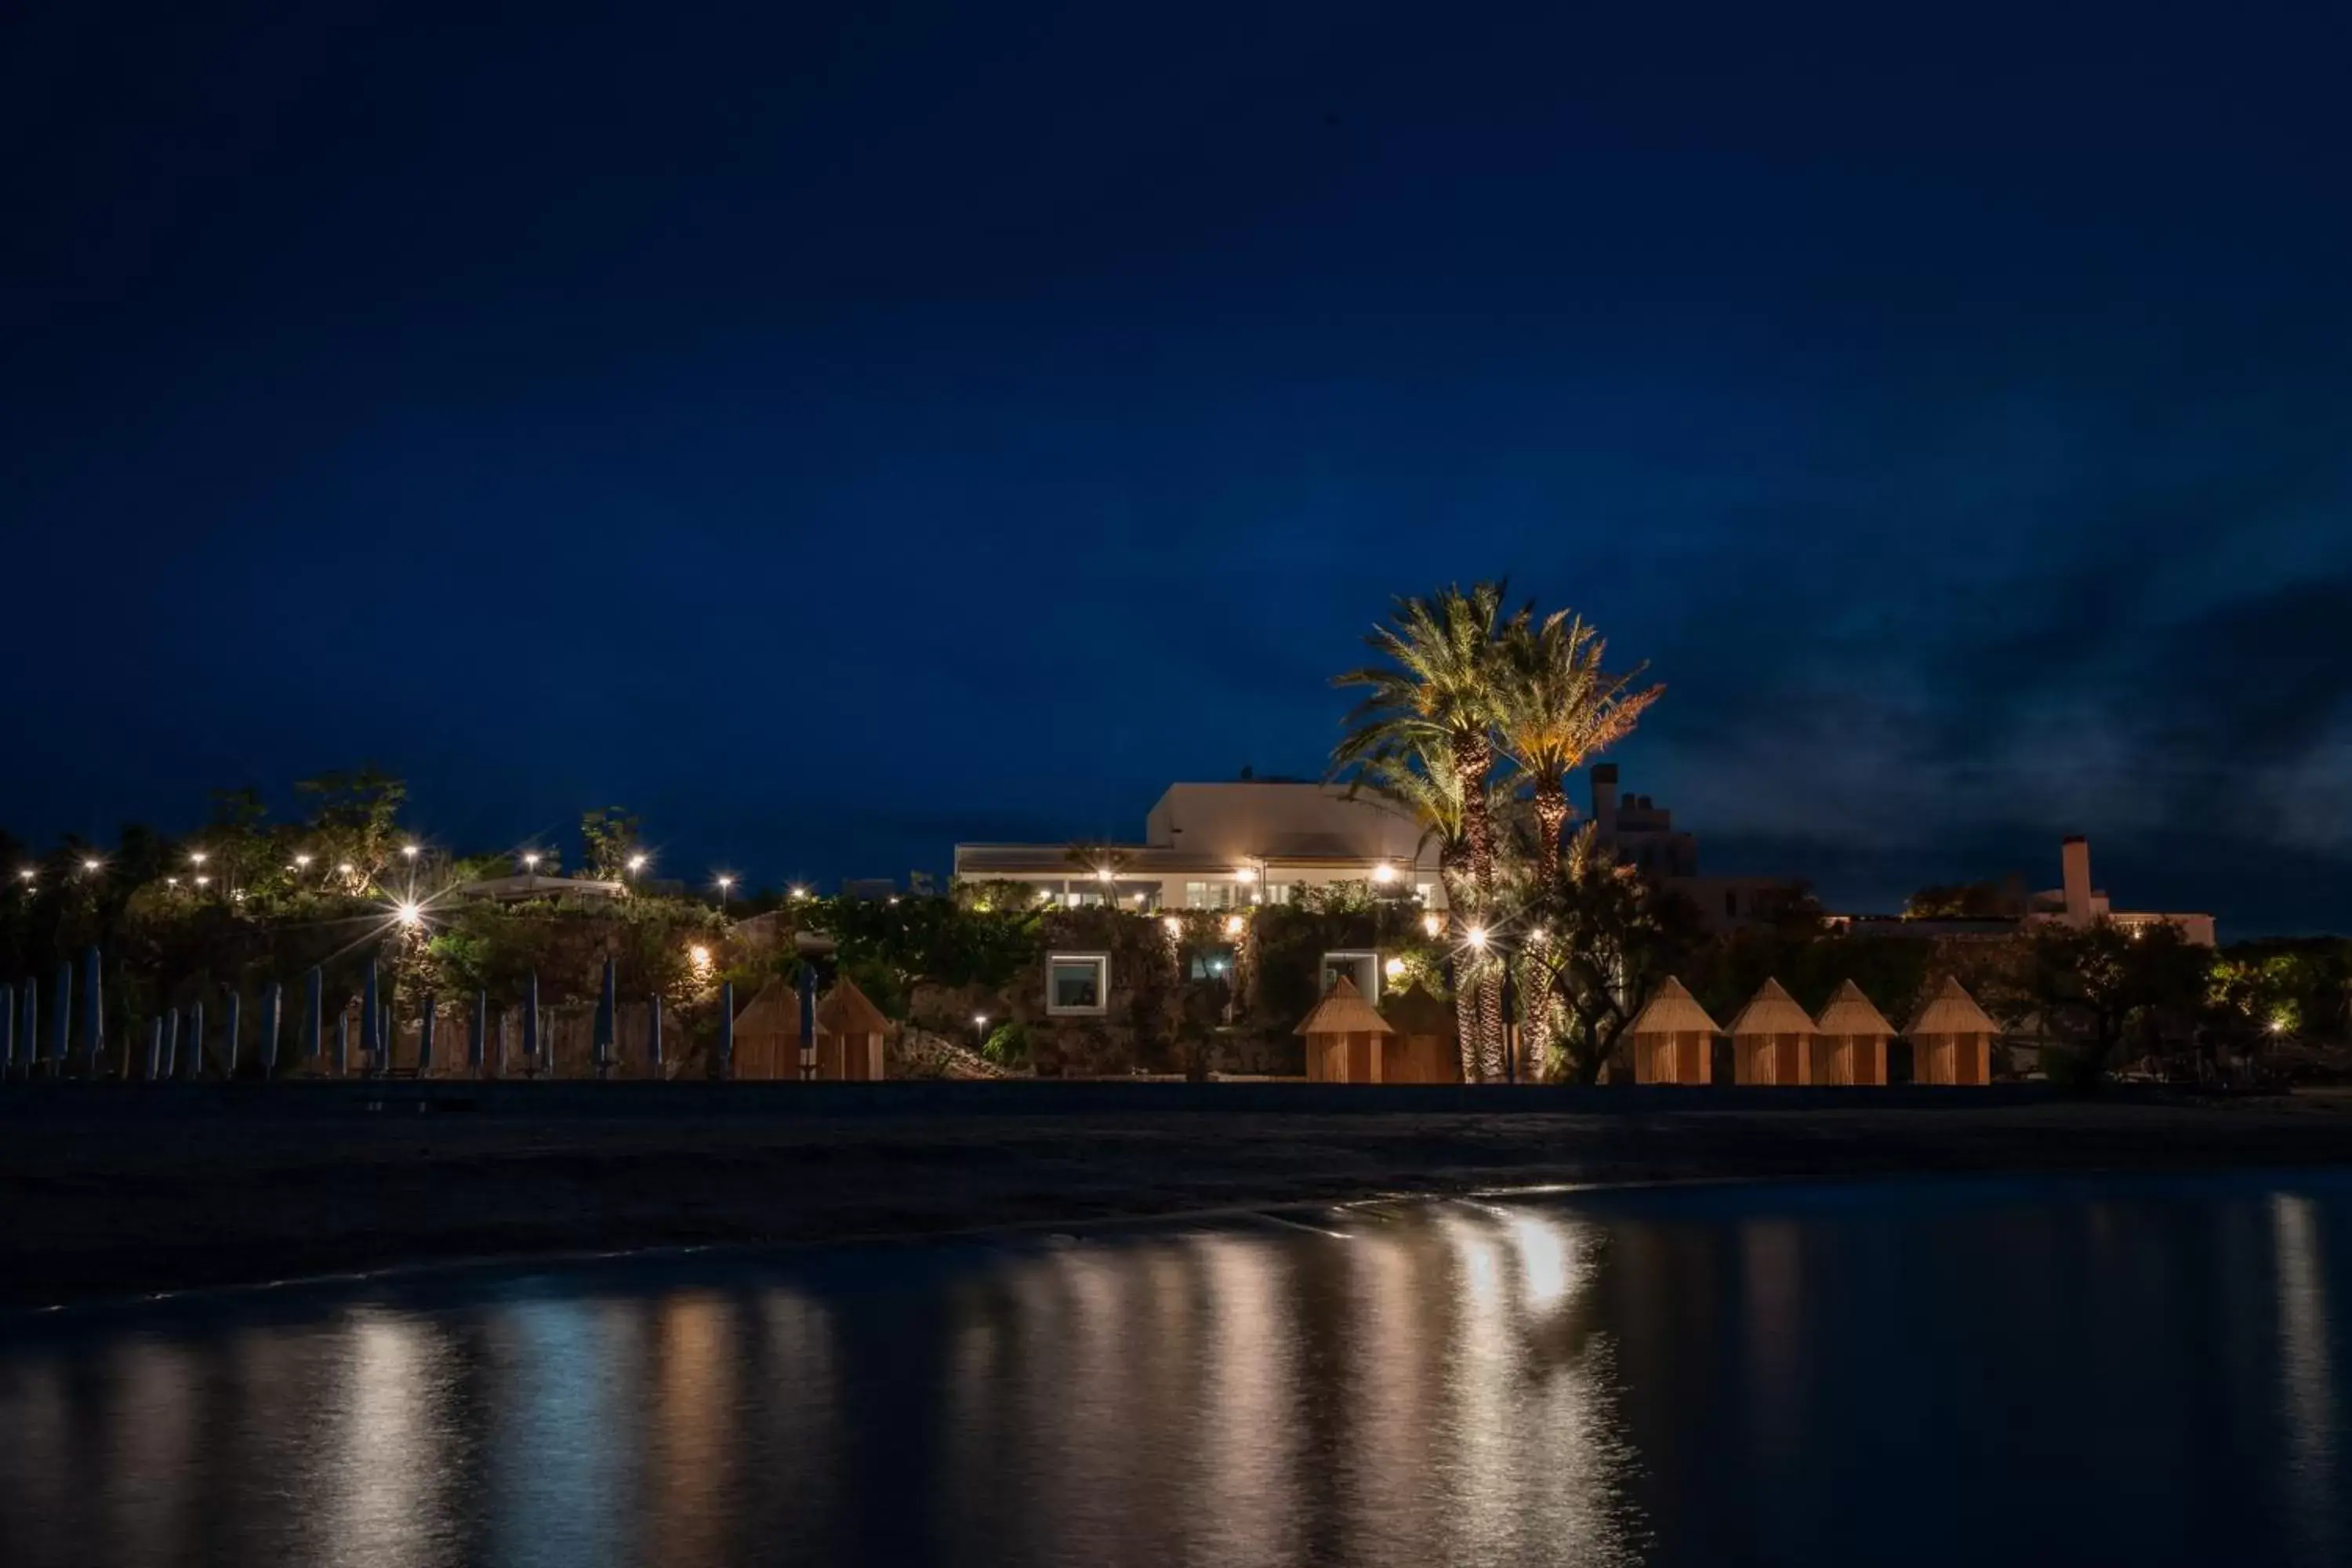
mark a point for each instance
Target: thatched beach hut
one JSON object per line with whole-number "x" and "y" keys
{"x": 1852, "y": 1045}
{"x": 768, "y": 1033}
{"x": 1344, "y": 1037}
{"x": 1426, "y": 1044}
{"x": 849, "y": 1030}
{"x": 1771, "y": 1039}
{"x": 1673, "y": 1039}
{"x": 1951, "y": 1038}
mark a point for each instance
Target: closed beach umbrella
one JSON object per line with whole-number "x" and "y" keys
{"x": 171, "y": 1041}
{"x": 228, "y": 1050}
{"x": 195, "y": 1040}
{"x": 530, "y": 1020}
{"x": 808, "y": 1019}
{"x": 59, "y": 1032}
{"x": 154, "y": 1049}
{"x": 425, "y": 1038}
{"x": 28, "y": 1023}
{"x": 653, "y": 1031}
{"x": 605, "y": 1008}
{"x": 726, "y": 1027}
{"x": 7, "y": 1030}
{"x": 93, "y": 1010}
{"x": 314, "y": 1016}
{"x": 372, "y": 1019}
{"x": 273, "y": 1005}
{"x": 477, "y": 1042}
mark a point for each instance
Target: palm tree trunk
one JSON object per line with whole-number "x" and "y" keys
{"x": 1473, "y": 756}
{"x": 1490, "y": 1022}
{"x": 1552, "y": 811}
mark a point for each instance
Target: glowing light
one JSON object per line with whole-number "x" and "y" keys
{"x": 2278, "y": 1026}
{"x": 171, "y": 881}
{"x": 28, "y": 873}
{"x": 1140, "y": 898}
{"x": 726, "y": 879}
{"x": 1477, "y": 937}
{"x": 1175, "y": 927}
{"x": 302, "y": 862}
{"x": 203, "y": 880}
{"x": 1433, "y": 924}
{"x": 196, "y": 857}
{"x": 636, "y": 863}
{"x": 1393, "y": 968}
{"x": 894, "y": 898}
{"x": 1537, "y": 934}
{"x": 1235, "y": 925}
{"x": 1102, "y": 873}
{"x": 410, "y": 913}
{"x": 1384, "y": 873}
{"x": 411, "y": 850}
{"x": 698, "y": 955}
{"x": 797, "y": 892}
{"x": 1045, "y": 895}
{"x": 348, "y": 869}
{"x": 979, "y": 1020}
{"x": 531, "y": 859}
{"x": 238, "y": 895}
{"x": 1245, "y": 875}
{"x": 91, "y": 866}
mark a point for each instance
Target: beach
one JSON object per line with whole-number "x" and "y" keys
{"x": 97, "y": 1203}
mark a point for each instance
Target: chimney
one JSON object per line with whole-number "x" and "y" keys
{"x": 2074, "y": 857}
{"x": 1604, "y": 800}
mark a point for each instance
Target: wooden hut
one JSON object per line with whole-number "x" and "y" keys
{"x": 849, "y": 1030}
{"x": 1951, "y": 1038}
{"x": 1771, "y": 1039}
{"x": 768, "y": 1033}
{"x": 1673, "y": 1039}
{"x": 1852, "y": 1045}
{"x": 1425, "y": 1045}
{"x": 1344, "y": 1037}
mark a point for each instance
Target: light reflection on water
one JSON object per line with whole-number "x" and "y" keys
{"x": 1945, "y": 1373}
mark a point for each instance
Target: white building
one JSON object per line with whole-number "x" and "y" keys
{"x": 1215, "y": 846}
{"x": 2077, "y": 903}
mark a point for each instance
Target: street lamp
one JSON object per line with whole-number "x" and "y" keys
{"x": 303, "y": 862}
{"x": 636, "y": 863}
{"x": 195, "y": 856}
{"x": 92, "y": 867}
{"x": 725, "y": 880}
{"x": 979, "y": 1027}
{"x": 28, "y": 873}
{"x": 1477, "y": 936}
{"x": 1383, "y": 873}
{"x": 411, "y": 851}
{"x": 530, "y": 860}
{"x": 202, "y": 881}
{"x": 411, "y": 912}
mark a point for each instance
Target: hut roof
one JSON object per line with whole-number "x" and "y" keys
{"x": 1414, "y": 1010}
{"x": 1952, "y": 1011}
{"x": 774, "y": 1009}
{"x": 1672, "y": 1010}
{"x": 1344, "y": 1010}
{"x": 1773, "y": 1011}
{"x": 1850, "y": 1013}
{"x": 847, "y": 1010}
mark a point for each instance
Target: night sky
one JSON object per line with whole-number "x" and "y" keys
{"x": 838, "y": 432}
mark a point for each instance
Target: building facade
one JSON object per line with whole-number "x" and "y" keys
{"x": 1224, "y": 846}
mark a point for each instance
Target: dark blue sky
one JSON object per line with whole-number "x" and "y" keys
{"x": 834, "y": 433}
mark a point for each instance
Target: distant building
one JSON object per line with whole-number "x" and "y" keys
{"x": 1216, "y": 845}
{"x": 1643, "y": 835}
{"x": 2074, "y": 902}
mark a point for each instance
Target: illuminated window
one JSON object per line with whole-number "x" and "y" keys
{"x": 1208, "y": 895}
{"x": 1076, "y": 981}
{"x": 1361, "y": 965}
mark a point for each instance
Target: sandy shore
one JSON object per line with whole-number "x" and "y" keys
{"x": 92, "y": 1205}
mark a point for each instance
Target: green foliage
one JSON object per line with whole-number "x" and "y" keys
{"x": 929, "y": 941}
{"x": 881, "y": 984}
{"x": 1959, "y": 901}
{"x": 1610, "y": 936}
{"x": 1008, "y": 1046}
{"x": 611, "y": 835}
{"x": 2098, "y": 983}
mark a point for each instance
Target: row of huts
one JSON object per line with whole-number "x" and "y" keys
{"x": 1673, "y": 1040}
{"x": 1774, "y": 1041}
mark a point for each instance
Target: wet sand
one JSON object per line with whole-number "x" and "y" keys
{"x": 95, "y": 1206}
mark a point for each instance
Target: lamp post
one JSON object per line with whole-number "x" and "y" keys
{"x": 726, "y": 879}
{"x": 979, "y": 1030}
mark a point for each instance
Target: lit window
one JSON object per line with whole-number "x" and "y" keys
{"x": 1208, "y": 895}
{"x": 1076, "y": 981}
{"x": 1361, "y": 966}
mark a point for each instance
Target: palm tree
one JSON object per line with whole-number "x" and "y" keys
{"x": 1440, "y": 696}
{"x": 1560, "y": 707}
{"x": 1428, "y": 787}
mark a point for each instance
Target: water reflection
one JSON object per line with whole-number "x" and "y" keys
{"x": 1946, "y": 1373}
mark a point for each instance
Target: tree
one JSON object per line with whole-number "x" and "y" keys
{"x": 1559, "y": 709}
{"x": 1610, "y": 937}
{"x": 1427, "y": 787}
{"x": 1441, "y": 692}
{"x": 353, "y": 820}
{"x": 611, "y": 836}
{"x": 1958, "y": 902}
{"x": 2095, "y": 981}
